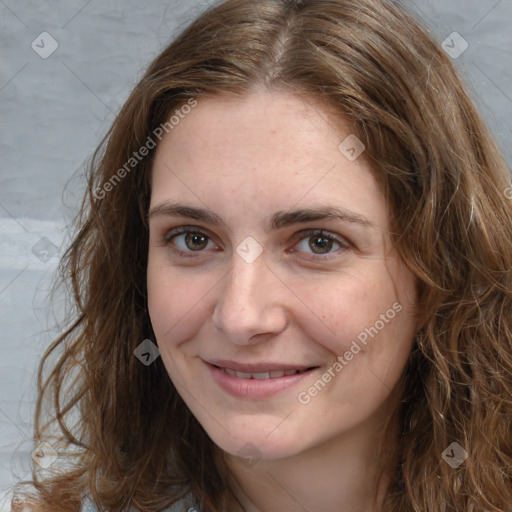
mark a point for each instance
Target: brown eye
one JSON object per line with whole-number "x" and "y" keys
{"x": 185, "y": 241}
{"x": 196, "y": 241}
{"x": 320, "y": 244}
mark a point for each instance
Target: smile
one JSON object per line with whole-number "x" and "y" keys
{"x": 257, "y": 384}
{"x": 274, "y": 374}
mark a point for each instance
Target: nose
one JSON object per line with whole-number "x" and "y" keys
{"x": 249, "y": 302}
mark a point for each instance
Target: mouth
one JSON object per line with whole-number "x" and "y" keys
{"x": 263, "y": 375}
{"x": 259, "y": 382}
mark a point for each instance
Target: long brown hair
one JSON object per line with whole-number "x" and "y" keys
{"x": 136, "y": 443}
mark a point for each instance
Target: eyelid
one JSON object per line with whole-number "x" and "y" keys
{"x": 305, "y": 233}
{"x": 179, "y": 230}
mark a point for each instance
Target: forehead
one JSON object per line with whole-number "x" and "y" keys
{"x": 275, "y": 147}
{"x": 286, "y": 124}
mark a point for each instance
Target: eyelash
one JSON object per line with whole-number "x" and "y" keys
{"x": 302, "y": 235}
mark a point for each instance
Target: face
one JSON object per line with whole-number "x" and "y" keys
{"x": 270, "y": 254}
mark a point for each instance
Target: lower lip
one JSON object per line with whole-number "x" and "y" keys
{"x": 255, "y": 388}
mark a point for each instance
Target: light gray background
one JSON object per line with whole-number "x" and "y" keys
{"x": 54, "y": 111}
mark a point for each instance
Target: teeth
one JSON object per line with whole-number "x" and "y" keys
{"x": 260, "y": 375}
{"x": 243, "y": 375}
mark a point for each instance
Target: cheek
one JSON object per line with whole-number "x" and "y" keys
{"x": 338, "y": 309}
{"x": 177, "y": 301}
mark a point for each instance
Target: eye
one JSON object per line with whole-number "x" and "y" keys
{"x": 320, "y": 243}
{"x": 185, "y": 240}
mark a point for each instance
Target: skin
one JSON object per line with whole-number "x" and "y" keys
{"x": 246, "y": 158}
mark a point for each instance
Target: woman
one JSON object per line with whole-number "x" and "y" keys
{"x": 301, "y": 208}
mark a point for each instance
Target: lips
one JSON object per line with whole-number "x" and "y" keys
{"x": 257, "y": 380}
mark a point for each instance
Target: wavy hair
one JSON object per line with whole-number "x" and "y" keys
{"x": 135, "y": 442}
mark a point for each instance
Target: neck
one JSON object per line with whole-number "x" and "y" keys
{"x": 338, "y": 475}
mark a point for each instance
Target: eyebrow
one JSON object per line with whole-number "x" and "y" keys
{"x": 279, "y": 220}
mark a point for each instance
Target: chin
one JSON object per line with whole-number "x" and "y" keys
{"x": 261, "y": 441}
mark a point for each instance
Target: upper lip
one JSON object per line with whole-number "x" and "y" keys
{"x": 258, "y": 367}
